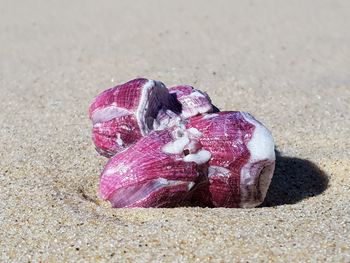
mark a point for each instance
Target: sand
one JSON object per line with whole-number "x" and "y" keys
{"x": 286, "y": 62}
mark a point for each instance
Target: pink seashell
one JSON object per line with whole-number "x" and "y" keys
{"x": 243, "y": 159}
{"x": 116, "y": 134}
{"x": 123, "y": 114}
{"x": 196, "y": 153}
{"x": 224, "y": 159}
{"x": 167, "y": 119}
{"x": 154, "y": 172}
{"x": 194, "y": 101}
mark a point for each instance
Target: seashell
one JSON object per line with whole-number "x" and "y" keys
{"x": 242, "y": 162}
{"x": 193, "y": 101}
{"x": 224, "y": 159}
{"x": 174, "y": 146}
{"x": 154, "y": 172}
{"x": 123, "y": 114}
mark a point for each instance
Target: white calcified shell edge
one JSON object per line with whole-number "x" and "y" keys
{"x": 143, "y": 104}
{"x": 261, "y": 145}
{"x": 108, "y": 113}
{"x": 200, "y": 157}
{"x": 261, "y": 148}
{"x": 177, "y": 146}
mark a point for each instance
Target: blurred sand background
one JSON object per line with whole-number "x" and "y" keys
{"x": 286, "y": 62}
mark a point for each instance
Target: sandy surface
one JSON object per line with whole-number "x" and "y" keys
{"x": 288, "y": 63}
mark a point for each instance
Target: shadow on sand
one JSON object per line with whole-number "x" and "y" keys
{"x": 294, "y": 180}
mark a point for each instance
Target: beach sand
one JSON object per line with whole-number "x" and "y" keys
{"x": 286, "y": 62}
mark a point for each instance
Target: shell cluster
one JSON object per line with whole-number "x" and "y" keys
{"x": 169, "y": 147}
